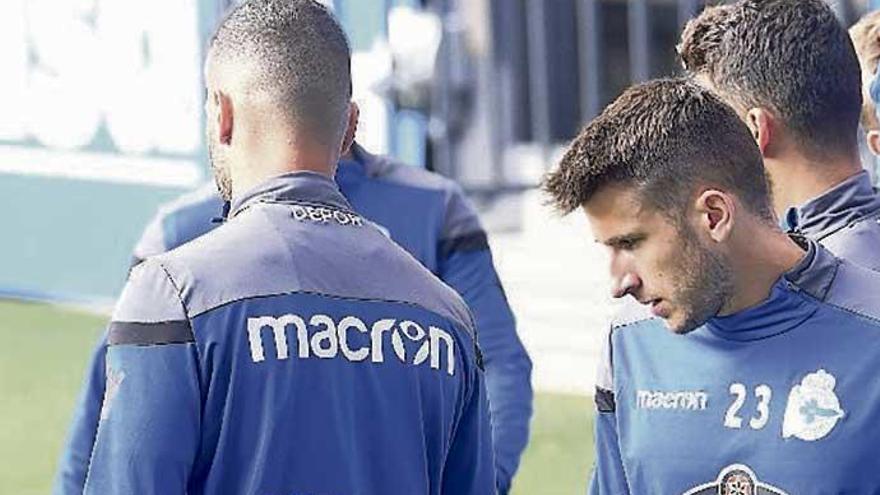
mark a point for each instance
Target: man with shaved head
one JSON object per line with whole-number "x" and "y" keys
{"x": 295, "y": 349}
{"x": 288, "y": 62}
{"x": 426, "y": 214}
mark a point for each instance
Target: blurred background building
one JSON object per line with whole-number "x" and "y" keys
{"x": 102, "y": 122}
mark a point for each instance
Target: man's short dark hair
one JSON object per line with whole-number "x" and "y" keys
{"x": 664, "y": 138}
{"x": 792, "y": 57}
{"x": 299, "y": 56}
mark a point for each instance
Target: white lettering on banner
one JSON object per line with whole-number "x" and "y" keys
{"x": 329, "y": 339}
{"x": 72, "y": 67}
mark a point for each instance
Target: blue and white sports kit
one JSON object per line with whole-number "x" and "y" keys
{"x": 781, "y": 398}
{"x": 298, "y": 351}
{"x": 429, "y": 217}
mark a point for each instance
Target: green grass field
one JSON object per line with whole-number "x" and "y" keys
{"x": 44, "y": 352}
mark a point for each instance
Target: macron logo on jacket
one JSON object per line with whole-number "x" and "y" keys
{"x": 351, "y": 337}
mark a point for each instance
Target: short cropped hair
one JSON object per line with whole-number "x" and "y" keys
{"x": 790, "y": 56}
{"x": 865, "y": 36}
{"x": 299, "y": 55}
{"x": 665, "y": 138}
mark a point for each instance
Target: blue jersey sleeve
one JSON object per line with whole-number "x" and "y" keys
{"x": 608, "y": 474}
{"x": 74, "y": 462}
{"x": 608, "y": 477}
{"x": 469, "y": 466}
{"x": 466, "y": 265}
{"x": 149, "y": 422}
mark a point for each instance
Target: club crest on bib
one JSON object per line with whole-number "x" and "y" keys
{"x": 736, "y": 479}
{"x": 813, "y": 409}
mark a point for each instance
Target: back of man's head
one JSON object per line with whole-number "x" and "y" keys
{"x": 865, "y": 36}
{"x": 292, "y": 54}
{"x": 665, "y": 138}
{"x": 791, "y": 57}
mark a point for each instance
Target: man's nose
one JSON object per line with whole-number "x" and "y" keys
{"x": 628, "y": 283}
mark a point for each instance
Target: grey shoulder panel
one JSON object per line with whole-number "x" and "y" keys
{"x": 858, "y": 243}
{"x": 149, "y": 296}
{"x": 268, "y": 250}
{"x": 837, "y": 282}
{"x": 149, "y": 311}
{"x": 630, "y": 313}
{"x": 223, "y": 265}
{"x": 857, "y": 290}
{"x": 605, "y": 376}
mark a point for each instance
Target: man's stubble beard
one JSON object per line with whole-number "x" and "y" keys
{"x": 220, "y": 169}
{"x": 706, "y": 283}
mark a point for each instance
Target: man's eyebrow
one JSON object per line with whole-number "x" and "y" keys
{"x": 623, "y": 239}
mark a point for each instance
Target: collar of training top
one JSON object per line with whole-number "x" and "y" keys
{"x": 361, "y": 166}
{"x": 303, "y": 187}
{"x": 837, "y": 208}
{"x": 351, "y": 172}
{"x": 815, "y": 272}
{"x": 784, "y": 309}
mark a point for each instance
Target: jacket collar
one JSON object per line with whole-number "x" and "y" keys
{"x": 785, "y": 308}
{"x": 363, "y": 164}
{"x": 815, "y": 272}
{"x": 302, "y": 187}
{"x": 840, "y": 206}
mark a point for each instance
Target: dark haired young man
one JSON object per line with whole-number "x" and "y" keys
{"x": 750, "y": 365}
{"x": 295, "y": 349}
{"x": 789, "y": 70}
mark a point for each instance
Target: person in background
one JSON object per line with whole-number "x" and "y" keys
{"x": 294, "y": 349}
{"x": 790, "y": 71}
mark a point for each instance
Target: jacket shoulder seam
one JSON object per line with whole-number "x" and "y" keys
{"x": 627, "y": 323}
{"x": 872, "y": 216}
{"x": 852, "y": 311}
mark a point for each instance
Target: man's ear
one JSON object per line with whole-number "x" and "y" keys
{"x": 354, "y": 113}
{"x": 762, "y": 126}
{"x": 225, "y": 117}
{"x": 715, "y": 213}
{"x": 873, "y": 138}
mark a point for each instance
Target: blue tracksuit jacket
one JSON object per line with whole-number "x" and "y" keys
{"x": 845, "y": 219}
{"x": 781, "y": 398}
{"x": 429, "y": 217}
{"x": 295, "y": 350}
